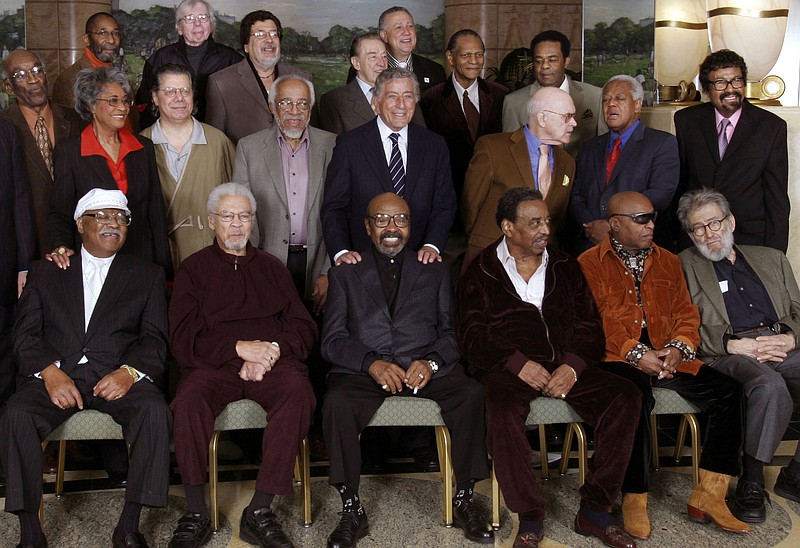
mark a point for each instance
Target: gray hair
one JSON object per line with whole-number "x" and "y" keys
{"x": 695, "y": 199}
{"x": 274, "y": 87}
{"x": 396, "y": 73}
{"x": 89, "y": 84}
{"x": 185, "y": 7}
{"x": 229, "y": 189}
{"x": 637, "y": 91}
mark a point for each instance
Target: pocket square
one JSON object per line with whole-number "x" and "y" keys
{"x": 566, "y": 181}
{"x": 587, "y": 114}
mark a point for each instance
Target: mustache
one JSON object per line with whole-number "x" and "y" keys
{"x": 391, "y": 234}
{"x": 112, "y": 231}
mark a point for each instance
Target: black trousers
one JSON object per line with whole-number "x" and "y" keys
{"x": 352, "y": 401}
{"x": 29, "y": 416}
{"x": 717, "y": 395}
{"x": 7, "y": 368}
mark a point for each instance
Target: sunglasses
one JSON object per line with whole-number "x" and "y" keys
{"x": 638, "y": 218}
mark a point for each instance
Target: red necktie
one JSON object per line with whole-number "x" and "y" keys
{"x": 612, "y": 159}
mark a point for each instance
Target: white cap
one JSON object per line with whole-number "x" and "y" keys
{"x": 99, "y": 198}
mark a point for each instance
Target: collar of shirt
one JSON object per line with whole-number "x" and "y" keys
{"x": 565, "y": 84}
{"x": 31, "y": 116}
{"x": 393, "y": 62}
{"x": 734, "y": 120}
{"x": 366, "y": 89}
{"x": 633, "y": 260}
{"x": 533, "y": 143}
{"x": 612, "y": 136}
{"x": 284, "y": 145}
{"x": 90, "y": 146}
{"x": 532, "y": 291}
{"x": 104, "y": 261}
{"x": 402, "y": 142}
{"x": 198, "y": 136}
{"x": 472, "y": 91}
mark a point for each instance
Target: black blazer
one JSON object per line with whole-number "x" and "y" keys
{"x": 753, "y": 175}
{"x": 76, "y": 175}
{"x": 358, "y": 172}
{"x": 128, "y": 325}
{"x": 429, "y": 73}
{"x": 16, "y": 223}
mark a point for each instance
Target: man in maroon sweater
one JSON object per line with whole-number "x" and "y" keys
{"x": 238, "y": 329}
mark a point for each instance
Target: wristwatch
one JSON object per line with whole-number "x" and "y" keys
{"x": 434, "y": 366}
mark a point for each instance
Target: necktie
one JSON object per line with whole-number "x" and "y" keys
{"x": 543, "y": 172}
{"x": 397, "y": 172}
{"x": 612, "y": 159}
{"x": 43, "y": 142}
{"x": 472, "y": 115}
{"x": 722, "y": 138}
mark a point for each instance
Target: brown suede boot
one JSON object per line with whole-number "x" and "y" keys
{"x": 707, "y": 503}
{"x": 634, "y": 515}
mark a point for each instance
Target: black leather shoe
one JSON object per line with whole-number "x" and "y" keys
{"x": 351, "y": 528}
{"x": 467, "y": 516}
{"x": 131, "y": 540}
{"x": 750, "y": 503}
{"x": 118, "y": 479}
{"x": 426, "y": 459}
{"x": 263, "y": 529}
{"x": 193, "y": 531}
{"x": 787, "y": 486}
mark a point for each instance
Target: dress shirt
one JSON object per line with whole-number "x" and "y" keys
{"x": 394, "y": 63}
{"x": 402, "y": 142}
{"x": 734, "y": 120}
{"x": 533, "y": 143}
{"x": 531, "y": 291}
{"x": 295, "y": 176}
{"x": 366, "y": 89}
{"x": 623, "y": 137}
{"x": 746, "y": 299}
{"x": 176, "y": 159}
{"x": 472, "y": 93}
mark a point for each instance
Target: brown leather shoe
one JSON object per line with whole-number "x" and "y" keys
{"x": 707, "y": 503}
{"x": 611, "y": 536}
{"x": 634, "y": 515}
{"x": 528, "y": 540}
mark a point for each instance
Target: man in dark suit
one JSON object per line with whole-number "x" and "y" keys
{"x": 738, "y": 149}
{"x": 25, "y": 77}
{"x": 16, "y": 246}
{"x": 631, "y": 156}
{"x": 396, "y": 26}
{"x": 93, "y": 336}
{"x": 350, "y": 106}
{"x": 389, "y": 331}
{"x": 360, "y": 169}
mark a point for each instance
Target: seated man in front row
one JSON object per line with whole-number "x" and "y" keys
{"x": 750, "y": 318}
{"x": 388, "y": 330}
{"x": 238, "y": 330}
{"x": 529, "y": 327}
{"x": 93, "y": 336}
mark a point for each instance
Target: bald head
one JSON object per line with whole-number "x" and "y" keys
{"x": 628, "y": 202}
{"x": 551, "y": 116}
{"x": 632, "y": 219}
{"x": 388, "y": 223}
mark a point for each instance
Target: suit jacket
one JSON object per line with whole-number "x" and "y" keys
{"x": 588, "y": 111}
{"x": 76, "y": 175}
{"x": 358, "y": 172}
{"x": 16, "y": 224}
{"x": 429, "y": 73}
{"x": 358, "y": 321}
{"x": 235, "y": 104}
{"x": 502, "y": 162}
{"x": 648, "y": 164}
{"x": 128, "y": 324}
{"x": 775, "y": 273}
{"x": 258, "y": 165}
{"x": 346, "y": 108}
{"x": 66, "y": 125}
{"x": 753, "y": 175}
{"x": 444, "y": 114}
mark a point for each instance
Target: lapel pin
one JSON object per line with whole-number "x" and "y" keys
{"x": 427, "y": 80}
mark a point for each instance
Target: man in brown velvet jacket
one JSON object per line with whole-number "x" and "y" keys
{"x": 528, "y": 327}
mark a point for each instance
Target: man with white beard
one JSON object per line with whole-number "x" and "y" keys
{"x": 750, "y": 315}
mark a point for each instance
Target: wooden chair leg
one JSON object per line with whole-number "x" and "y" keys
{"x": 543, "y": 451}
{"x": 213, "y": 479}
{"x": 62, "y": 458}
{"x": 304, "y": 465}
{"x": 495, "y": 501}
{"x": 681, "y": 438}
{"x": 694, "y": 428}
{"x": 443, "y": 445}
{"x": 654, "y": 442}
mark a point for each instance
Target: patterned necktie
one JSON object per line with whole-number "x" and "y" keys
{"x": 43, "y": 142}
{"x": 722, "y": 138}
{"x": 472, "y": 115}
{"x": 544, "y": 175}
{"x": 397, "y": 172}
{"x": 612, "y": 159}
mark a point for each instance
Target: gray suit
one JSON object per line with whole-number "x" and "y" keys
{"x": 588, "y": 111}
{"x": 771, "y": 387}
{"x": 258, "y": 165}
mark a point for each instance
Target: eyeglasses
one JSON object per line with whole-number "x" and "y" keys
{"x": 286, "y": 105}
{"x": 228, "y": 217}
{"x": 23, "y": 75}
{"x": 263, "y": 33}
{"x": 722, "y": 84}
{"x": 714, "y": 225}
{"x": 106, "y": 33}
{"x": 638, "y": 218}
{"x": 106, "y": 218}
{"x": 381, "y": 220}
{"x": 201, "y": 17}
{"x": 172, "y": 92}
{"x": 567, "y": 116}
{"x": 114, "y": 102}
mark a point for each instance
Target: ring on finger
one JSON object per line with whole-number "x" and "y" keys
{"x": 385, "y": 386}
{"x": 421, "y": 376}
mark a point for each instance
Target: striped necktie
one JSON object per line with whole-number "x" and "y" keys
{"x": 722, "y": 138}
{"x": 397, "y": 172}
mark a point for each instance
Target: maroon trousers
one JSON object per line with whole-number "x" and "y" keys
{"x": 610, "y": 404}
{"x": 285, "y": 394}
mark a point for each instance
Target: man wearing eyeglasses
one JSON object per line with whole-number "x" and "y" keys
{"x": 531, "y": 157}
{"x": 750, "y": 310}
{"x": 630, "y": 156}
{"x": 651, "y": 333}
{"x": 237, "y": 96}
{"x": 739, "y": 149}
{"x": 93, "y": 336}
{"x": 238, "y": 329}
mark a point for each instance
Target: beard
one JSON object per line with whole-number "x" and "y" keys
{"x": 232, "y": 244}
{"x": 391, "y": 251}
{"x": 724, "y": 251}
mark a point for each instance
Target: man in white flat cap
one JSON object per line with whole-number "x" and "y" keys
{"x": 92, "y": 336}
